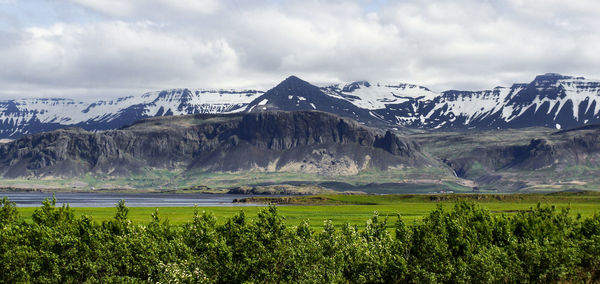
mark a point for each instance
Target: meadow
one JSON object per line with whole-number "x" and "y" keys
{"x": 356, "y": 209}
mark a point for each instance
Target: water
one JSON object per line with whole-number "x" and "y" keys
{"x": 91, "y": 199}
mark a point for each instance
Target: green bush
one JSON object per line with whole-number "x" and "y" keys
{"x": 464, "y": 244}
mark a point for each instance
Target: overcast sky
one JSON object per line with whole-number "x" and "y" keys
{"x": 107, "y": 48}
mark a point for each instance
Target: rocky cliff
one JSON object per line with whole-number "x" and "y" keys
{"x": 514, "y": 159}
{"x": 301, "y": 141}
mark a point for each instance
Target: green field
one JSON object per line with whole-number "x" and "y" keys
{"x": 356, "y": 209}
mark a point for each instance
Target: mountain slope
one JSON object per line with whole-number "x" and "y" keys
{"x": 508, "y": 160}
{"x": 26, "y": 116}
{"x": 306, "y": 142}
{"x": 550, "y": 100}
{"x": 294, "y": 94}
{"x": 377, "y": 96}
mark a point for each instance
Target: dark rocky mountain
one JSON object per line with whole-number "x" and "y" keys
{"x": 300, "y": 141}
{"x": 508, "y": 160}
{"x": 295, "y": 94}
{"x": 550, "y": 100}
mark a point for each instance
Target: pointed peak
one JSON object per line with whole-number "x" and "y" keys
{"x": 292, "y": 82}
{"x": 293, "y": 78}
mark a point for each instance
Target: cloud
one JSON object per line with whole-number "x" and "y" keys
{"x": 114, "y": 48}
{"x": 114, "y": 54}
{"x": 157, "y": 9}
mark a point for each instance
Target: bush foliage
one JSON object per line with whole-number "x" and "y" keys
{"x": 464, "y": 244}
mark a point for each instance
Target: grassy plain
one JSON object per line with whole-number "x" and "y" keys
{"x": 356, "y": 209}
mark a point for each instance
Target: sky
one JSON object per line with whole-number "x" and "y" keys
{"x": 110, "y": 48}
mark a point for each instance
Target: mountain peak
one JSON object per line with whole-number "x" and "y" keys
{"x": 553, "y": 77}
{"x": 292, "y": 77}
{"x": 548, "y": 100}
{"x": 294, "y": 94}
{"x": 293, "y": 81}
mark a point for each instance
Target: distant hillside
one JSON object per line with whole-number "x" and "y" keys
{"x": 303, "y": 141}
{"x": 532, "y": 158}
{"x": 20, "y": 117}
{"x": 301, "y": 148}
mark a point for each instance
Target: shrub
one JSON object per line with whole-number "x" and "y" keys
{"x": 464, "y": 244}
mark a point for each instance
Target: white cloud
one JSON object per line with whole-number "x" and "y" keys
{"x": 113, "y": 54}
{"x": 161, "y": 9}
{"x": 125, "y": 47}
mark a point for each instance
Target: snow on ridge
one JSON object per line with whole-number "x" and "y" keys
{"x": 69, "y": 112}
{"x": 507, "y": 110}
{"x": 475, "y": 104}
{"x": 578, "y": 90}
{"x": 417, "y": 103}
{"x": 209, "y": 96}
{"x": 378, "y": 95}
{"x": 200, "y": 100}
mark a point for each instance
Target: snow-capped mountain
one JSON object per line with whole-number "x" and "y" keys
{"x": 377, "y": 96}
{"x": 25, "y": 116}
{"x": 550, "y": 100}
{"x": 295, "y": 94}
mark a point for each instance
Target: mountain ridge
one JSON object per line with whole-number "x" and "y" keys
{"x": 550, "y": 100}
{"x": 271, "y": 141}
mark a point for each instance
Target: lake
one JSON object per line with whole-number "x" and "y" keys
{"x": 92, "y": 199}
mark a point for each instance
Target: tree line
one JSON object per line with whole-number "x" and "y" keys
{"x": 466, "y": 243}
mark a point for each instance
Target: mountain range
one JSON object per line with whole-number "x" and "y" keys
{"x": 550, "y": 100}
{"x": 360, "y": 136}
{"x": 211, "y": 149}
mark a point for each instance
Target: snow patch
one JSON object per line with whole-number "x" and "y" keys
{"x": 69, "y": 111}
{"x": 377, "y": 96}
